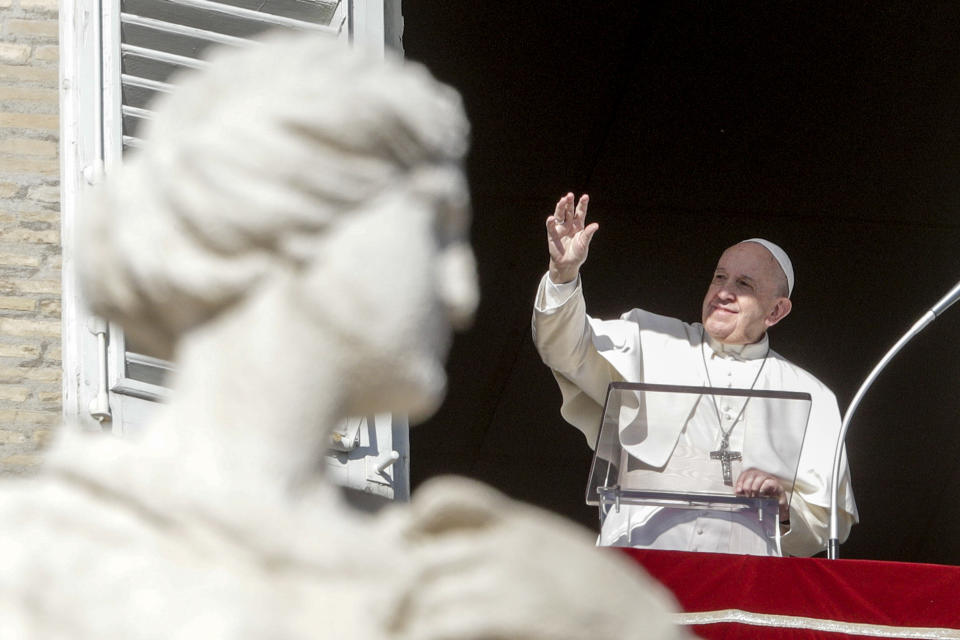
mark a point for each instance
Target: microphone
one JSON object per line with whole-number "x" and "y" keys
{"x": 833, "y": 544}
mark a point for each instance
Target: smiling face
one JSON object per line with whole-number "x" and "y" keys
{"x": 746, "y": 295}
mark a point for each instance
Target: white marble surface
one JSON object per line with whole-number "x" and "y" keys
{"x": 295, "y": 235}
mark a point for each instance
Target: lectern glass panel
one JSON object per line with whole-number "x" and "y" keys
{"x": 667, "y": 459}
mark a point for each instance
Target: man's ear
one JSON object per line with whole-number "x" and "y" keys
{"x": 780, "y": 311}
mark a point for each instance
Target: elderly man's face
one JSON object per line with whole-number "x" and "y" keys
{"x": 745, "y": 295}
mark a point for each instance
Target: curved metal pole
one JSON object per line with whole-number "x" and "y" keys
{"x": 833, "y": 545}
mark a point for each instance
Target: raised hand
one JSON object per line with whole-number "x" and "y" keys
{"x": 568, "y": 240}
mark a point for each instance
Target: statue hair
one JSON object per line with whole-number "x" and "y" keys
{"x": 246, "y": 166}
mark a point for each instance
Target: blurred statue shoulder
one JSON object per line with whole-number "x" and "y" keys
{"x": 485, "y": 563}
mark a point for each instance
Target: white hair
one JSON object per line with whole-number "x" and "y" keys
{"x": 246, "y": 166}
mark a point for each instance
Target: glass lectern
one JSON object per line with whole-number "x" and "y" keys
{"x": 667, "y": 458}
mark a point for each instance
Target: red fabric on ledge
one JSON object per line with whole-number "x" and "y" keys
{"x": 855, "y": 591}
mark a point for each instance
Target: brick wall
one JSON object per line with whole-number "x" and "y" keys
{"x": 30, "y": 368}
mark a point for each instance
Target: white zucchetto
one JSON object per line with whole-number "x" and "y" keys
{"x": 781, "y": 257}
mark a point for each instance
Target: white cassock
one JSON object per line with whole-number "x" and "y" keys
{"x": 587, "y": 354}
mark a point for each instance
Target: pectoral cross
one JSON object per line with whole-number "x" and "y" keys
{"x": 725, "y": 456}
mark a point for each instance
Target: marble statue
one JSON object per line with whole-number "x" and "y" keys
{"x": 294, "y": 236}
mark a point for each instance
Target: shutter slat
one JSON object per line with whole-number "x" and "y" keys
{"x": 153, "y": 85}
{"x": 131, "y": 141}
{"x": 258, "y": 16}
{"x": 136, "y": 112}
{"x": 162, "y": 56}
{"x": 183, "y": 30}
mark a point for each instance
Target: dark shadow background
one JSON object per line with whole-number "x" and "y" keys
{"x": 831, "y": 129}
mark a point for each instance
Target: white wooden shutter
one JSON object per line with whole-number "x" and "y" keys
{"x": 118, "y": 55}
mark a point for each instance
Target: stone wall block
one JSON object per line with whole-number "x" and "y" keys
{"x": 30, "y": 327}
{"x": 42, "y": 76}
{"x": 49, "y": 397}
{"x": 46, "y": 29}
{"x": 20, "y": 463}
{"x": 53, "y": 354}
{"x": 25, "y": 416}
{"x": 40, "y": 6}
{"x": 30, "y": 351}
{"x": 45, "y": 193}
{"x": 29, "y": 96}
{"x": 20, "y": 260}
{"x": 47, "y": 53}
{"x": 16, "y": 303}
{"x": 37, "y": 286}
{"x": 19, "y": 235}
{"x": 9, "y": 189}
{"x": 43, "y": 122}
{"x": 12, "y": 393}
{"x": 49, "y": 308}
{"x": 20, "y": 375}
{"x": 42, "y": 437}
{"x": 28, "y": 146}
{"x": 14, "y": 53}
{"x": 29, "y": 165}
{"x": 8, "y": 437}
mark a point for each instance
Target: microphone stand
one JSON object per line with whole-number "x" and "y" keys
{"x": 833, "y": 545}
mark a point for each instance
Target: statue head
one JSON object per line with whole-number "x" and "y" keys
{"x": 296, "y": 163}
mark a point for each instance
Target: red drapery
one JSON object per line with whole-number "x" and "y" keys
{"x": 730, "y": 596}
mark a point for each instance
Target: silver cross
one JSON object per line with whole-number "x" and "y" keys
{"x": 725, "y": 456}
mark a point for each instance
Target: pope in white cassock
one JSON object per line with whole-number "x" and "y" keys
{"x": 730, "y": 347}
